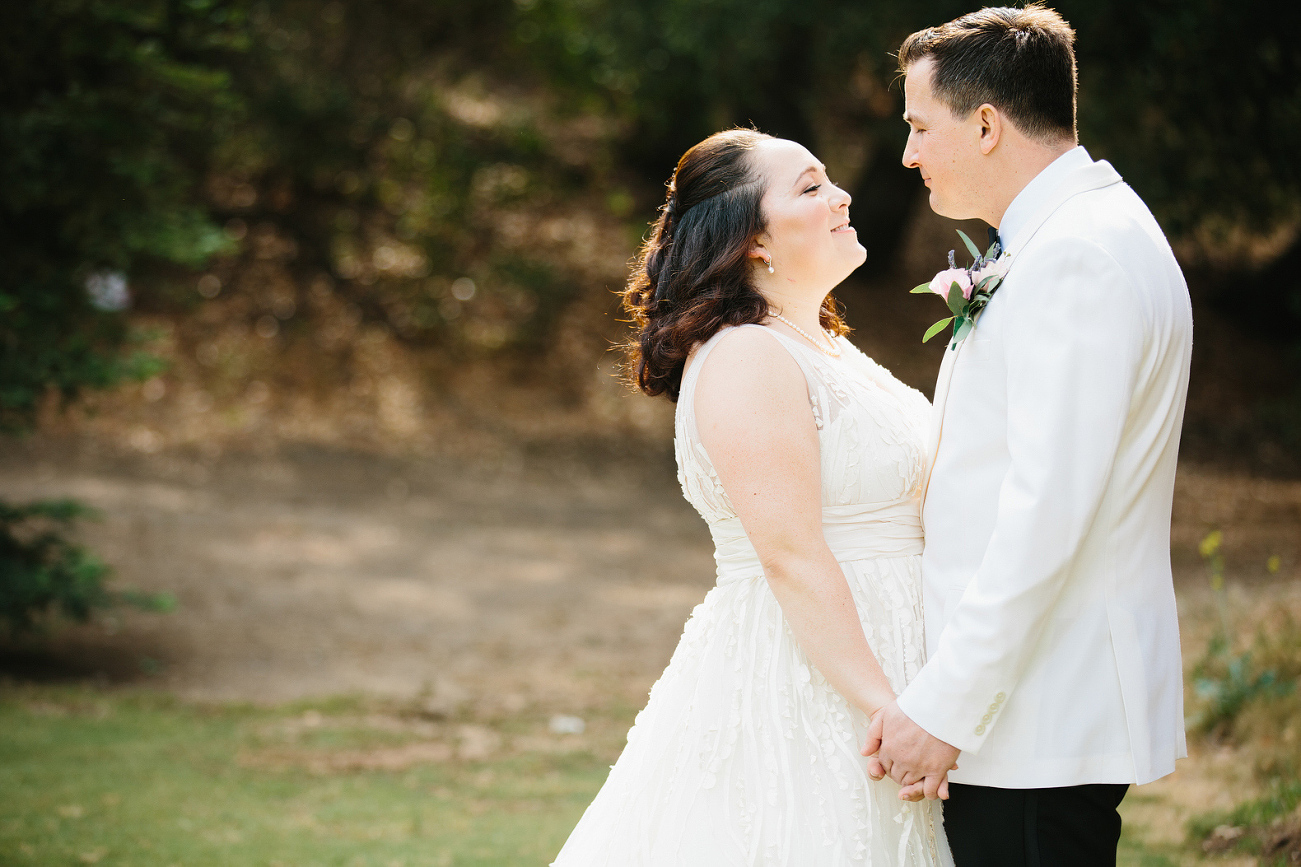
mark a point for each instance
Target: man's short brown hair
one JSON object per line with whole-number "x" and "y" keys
{"x": 1021, "y": 61}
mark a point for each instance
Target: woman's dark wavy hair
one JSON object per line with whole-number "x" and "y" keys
{"x": 693, "y": 276}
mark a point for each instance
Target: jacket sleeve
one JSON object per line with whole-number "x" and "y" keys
{"x": 1073, "y": 339}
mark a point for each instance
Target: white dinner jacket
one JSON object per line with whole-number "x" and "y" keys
{"x": 1052, "y": 635}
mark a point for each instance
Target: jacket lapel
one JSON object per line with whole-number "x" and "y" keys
{"x": 1094, "y": 177}
{"x": 937, "y": 411}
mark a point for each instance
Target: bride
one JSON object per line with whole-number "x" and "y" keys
{"x": 807, "y": 459}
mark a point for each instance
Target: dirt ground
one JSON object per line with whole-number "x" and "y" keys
{"x": 543, "y": 580}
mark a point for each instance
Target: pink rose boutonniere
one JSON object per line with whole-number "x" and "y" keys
{"x": 966, "y": 290}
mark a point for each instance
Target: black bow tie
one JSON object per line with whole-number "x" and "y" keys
{"x": 995, "y": 239}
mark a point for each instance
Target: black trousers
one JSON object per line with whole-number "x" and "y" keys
{"x": 1071, "y": 826}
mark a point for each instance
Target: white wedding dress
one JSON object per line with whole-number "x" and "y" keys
{"x": 744, "y": 754}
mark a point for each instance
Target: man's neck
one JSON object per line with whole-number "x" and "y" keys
{"x": 1022, "y": 165}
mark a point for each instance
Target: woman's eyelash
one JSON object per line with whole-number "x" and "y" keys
{"x": 813, "y": 188}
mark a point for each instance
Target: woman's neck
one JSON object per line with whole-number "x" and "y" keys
{"x": 803, "y": 311}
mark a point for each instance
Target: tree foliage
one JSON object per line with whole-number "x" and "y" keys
{"x": 42, "y": 573}
{"x": 1197, "y": 103}
{"x": 133, "y": 131}
{"x": 371, "y": 127}
{"x": 108, "y": 109}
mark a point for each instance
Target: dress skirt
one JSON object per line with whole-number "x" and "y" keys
{"x": 745, "y": 755}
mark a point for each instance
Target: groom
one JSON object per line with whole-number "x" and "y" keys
{"x": 1054, "y": 676}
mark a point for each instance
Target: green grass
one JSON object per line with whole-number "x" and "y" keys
{"x": 90, "y": 777}
{"x": 111, "y": 778}
{"x": 1132, "y": 853}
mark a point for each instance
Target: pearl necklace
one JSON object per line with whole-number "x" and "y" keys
{"x": 834, "y": 351}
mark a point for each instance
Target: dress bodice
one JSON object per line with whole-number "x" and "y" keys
{"x": 872, "y": 437}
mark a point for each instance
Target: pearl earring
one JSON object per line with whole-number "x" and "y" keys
{"x": 770, "y": 270}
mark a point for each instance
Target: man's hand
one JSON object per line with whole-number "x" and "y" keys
{"x": 898, "y": 747}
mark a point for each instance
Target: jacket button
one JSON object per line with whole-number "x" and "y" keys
{"x": 993, "y": 708}
{"x": 1000, "y": 697}
{"x": 987, "y": 717}
{"x": 980, "y": 729}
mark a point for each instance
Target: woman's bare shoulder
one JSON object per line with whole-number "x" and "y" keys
{"x": 749, "y": 366}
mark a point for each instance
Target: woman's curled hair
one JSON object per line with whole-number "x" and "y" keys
{"x": 693, "y": 275}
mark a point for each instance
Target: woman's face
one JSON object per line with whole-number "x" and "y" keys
{"x": 808, "y": 236}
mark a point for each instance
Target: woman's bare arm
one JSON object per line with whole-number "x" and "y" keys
{"x": 752, "y": 409}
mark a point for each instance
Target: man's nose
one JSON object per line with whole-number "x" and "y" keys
{"x": 909, "y": 154}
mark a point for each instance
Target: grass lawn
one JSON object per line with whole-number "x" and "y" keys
{"x": 101, "y": 778}
{"x": 105, "y": 777}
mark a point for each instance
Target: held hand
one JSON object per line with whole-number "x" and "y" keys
{"x": 930, "y": 788}
{"x": 875, "y": 770}
{"x": 899, "y": 747}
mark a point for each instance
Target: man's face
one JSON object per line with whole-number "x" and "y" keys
{"x": 946, "y": 149}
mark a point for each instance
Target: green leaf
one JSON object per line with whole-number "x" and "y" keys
{"x": 962, "y": 329}
{"x": 955, "y": 300}
{"x": 160, "y": 603}
{"x": 936, "y": 329}
{"x": 925, "y": 287}
{"x": 975, "y": 251}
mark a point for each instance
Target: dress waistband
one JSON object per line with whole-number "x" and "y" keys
{"x": 861, "y": 531}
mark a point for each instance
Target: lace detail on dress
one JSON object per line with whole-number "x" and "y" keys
{"x": 745, "y": 754}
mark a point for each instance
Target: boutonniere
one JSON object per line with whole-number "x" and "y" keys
{"x": 966, "y": 290}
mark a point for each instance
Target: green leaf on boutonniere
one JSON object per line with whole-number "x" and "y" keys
{"x": 923, "y": 288}
{"x": 936, "y": 329}
{"x": 962, "y": 330}
{"x": 975, "y": 251}
{"x": 955, "y": 300}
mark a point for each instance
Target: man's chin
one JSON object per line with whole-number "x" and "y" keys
{"x": 941, "y": 207}
{"x": 948, "y": 209}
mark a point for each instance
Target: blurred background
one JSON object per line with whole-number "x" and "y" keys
{"x": 314, "y": 447}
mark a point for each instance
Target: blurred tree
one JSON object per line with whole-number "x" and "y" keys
{"x": 386, "y": 140}
{"x": 401, "y": 146}
{"x": 43, "y": 573}
{"x": 108, "y": 111}
{"x": 1197, "y": 102}
{"x": 817, "y": 71}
